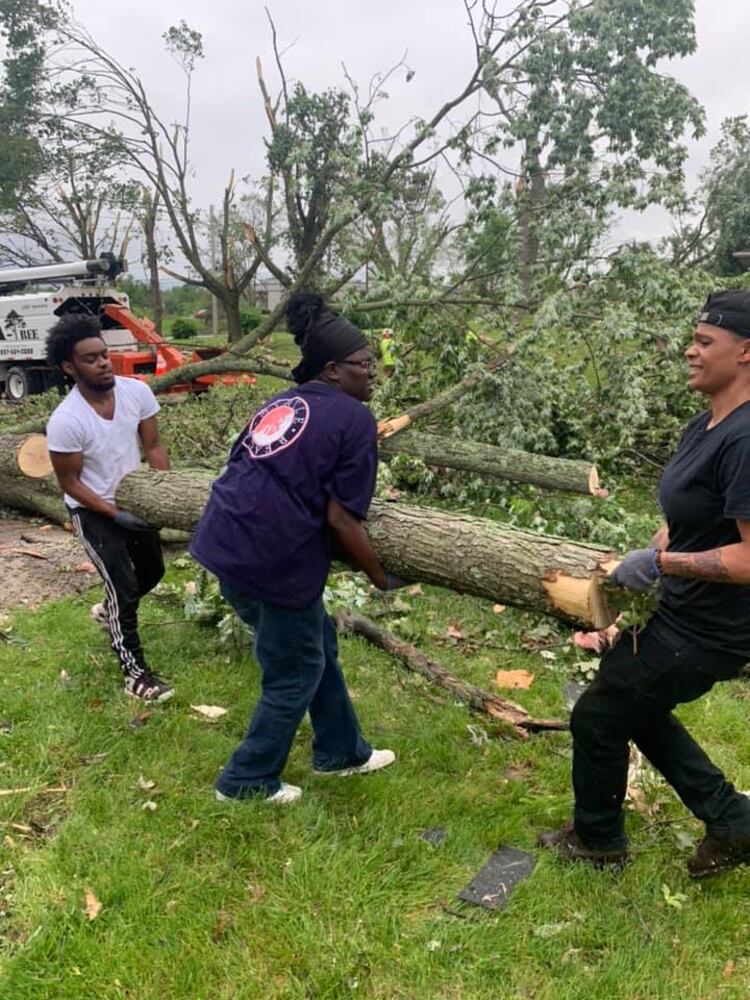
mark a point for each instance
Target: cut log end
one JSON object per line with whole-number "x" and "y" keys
{"x": 580, "y": 598}
{"x": 32, "y": 457}
{"x": 387, "y": 428}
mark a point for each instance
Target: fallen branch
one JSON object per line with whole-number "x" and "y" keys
{"x": 222, "y": 364}
{"x": 17, "y": 550}
{"x": 502, "y": 463}
{"x": 386, "y": 428}
{"x": 477, "y": 699}
{"x": 30, "y": 788}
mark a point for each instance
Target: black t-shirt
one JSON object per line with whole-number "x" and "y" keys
{"x": 704, "y": 491}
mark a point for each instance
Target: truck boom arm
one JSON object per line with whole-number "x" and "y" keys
{"x": 105, "y": 267}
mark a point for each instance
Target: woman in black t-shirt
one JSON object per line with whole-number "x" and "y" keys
{"x": 700, "y": 633}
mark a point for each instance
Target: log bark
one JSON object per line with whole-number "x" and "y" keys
{"x": 39, "y": 497}
{"x": 24, "y": 455}
{"x": 470, "y": 555}
{"x": 42, "y": 498}
{"x": 502, "y": 463}
{"x": 479, "y": 700}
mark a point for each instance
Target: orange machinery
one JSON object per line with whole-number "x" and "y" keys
{"x": 158, "y": 357}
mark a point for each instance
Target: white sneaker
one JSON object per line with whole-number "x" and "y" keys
{"x": 99, "y": 613}
{"x": 376, "y": 760}
{"x": 285, "y": 795}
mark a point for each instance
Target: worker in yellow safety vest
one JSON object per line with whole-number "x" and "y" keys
{"x": 387, "y": 352}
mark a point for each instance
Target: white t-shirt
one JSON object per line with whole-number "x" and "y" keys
{"x": 111, "y": 448}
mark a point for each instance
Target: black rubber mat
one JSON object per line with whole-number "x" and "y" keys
{"x": 492, "y": 885}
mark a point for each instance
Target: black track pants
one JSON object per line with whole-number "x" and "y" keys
{"x": 130, "y": 564}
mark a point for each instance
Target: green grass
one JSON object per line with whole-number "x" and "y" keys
{"x": 337, "y": 896}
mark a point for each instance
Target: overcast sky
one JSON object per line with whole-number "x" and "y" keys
{"x": 228, "y": 119}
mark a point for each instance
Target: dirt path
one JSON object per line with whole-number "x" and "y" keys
{"x": 38, "y": 563}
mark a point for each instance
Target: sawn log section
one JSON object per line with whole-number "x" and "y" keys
{"x": 467, "y": 554}
{"x": 490, "y": 460}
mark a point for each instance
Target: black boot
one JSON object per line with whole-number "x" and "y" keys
{"x": 714, "y": 856}
{"x": 569, "y": 847}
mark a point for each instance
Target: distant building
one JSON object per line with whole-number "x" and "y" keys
{"x": 266, "y": 293}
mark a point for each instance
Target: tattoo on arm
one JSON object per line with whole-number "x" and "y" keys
{"x": 698, "y": 565}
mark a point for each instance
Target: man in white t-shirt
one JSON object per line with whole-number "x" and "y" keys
{"x": 95, "y": 437}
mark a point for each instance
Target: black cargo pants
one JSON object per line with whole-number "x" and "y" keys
{"x": 632, "y": 698}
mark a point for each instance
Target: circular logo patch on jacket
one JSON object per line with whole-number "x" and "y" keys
{"x": 276, "y": 426}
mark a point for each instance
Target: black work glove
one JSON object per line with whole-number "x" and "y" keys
{"x": 124, "y": 519}
{"x": 637, "y": 571}
{"x": 393, "y": 582}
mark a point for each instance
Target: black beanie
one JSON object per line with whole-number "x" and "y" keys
{"x": 322, "y": 334}
{"x": 729, "y": 310}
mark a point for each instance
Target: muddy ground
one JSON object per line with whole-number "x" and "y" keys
{"x": 40, "y": 562}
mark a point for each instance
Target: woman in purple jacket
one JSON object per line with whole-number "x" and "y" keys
{"x": 301, "y": 475}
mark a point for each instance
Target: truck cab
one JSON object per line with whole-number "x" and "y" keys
{"x": 26, "y": 319}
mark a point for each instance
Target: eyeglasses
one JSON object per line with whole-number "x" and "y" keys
{"x": 368, "y": 364}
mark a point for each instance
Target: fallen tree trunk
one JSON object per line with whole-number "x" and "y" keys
{"x": 516, "y": 717}
{"x": 42, "y": 498}
{"x": 470, "y": 555}
{"x": 502, "y": 463}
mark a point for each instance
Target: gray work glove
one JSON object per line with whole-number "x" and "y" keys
{"x": 638, "y": 571}
{"x": 132, "y": 522}
{"x": 393, "y": 582}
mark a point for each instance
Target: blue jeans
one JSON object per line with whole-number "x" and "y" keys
{"x": 298, "y": 656}
{"x": 632, "y": 699}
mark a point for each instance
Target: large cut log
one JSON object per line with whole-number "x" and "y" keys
{"x": 489, "y": 460}
{"x": 470, "y": 555}
{"x": 518, "y": 720}
{"x": 24, "y": 455}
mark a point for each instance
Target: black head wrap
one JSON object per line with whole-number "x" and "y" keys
{"x": 322, "y": 334}
{"x": 729, "y": 310}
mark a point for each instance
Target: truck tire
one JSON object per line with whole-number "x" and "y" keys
{"x": 20, "y": 384}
